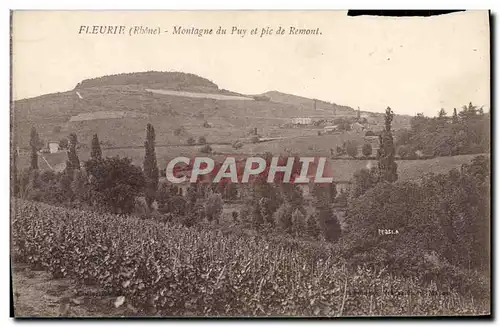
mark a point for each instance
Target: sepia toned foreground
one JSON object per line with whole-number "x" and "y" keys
{"x": 163, "y": 269}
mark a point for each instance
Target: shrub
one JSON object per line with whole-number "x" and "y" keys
{"x": 179, "y": 131}
{"x": 206, "y": 149}
{"x": 351, "y": 148}
{"x": 370, "y": 133}
{"x": 237, "y": 144}
{"x": 234, "y": 215}
{"x": 190, "y": 141}
{"x": 255, "y": 139}
{"x": 367, "y": 149}
{"x": 404, "y": 151}
{"x": 312, "y": 226}
{"x": 202, "y": 140}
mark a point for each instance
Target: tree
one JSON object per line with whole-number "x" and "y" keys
{"x": 324, "y": 194}
{"x": 455, "y": 116}
{"x": 192, "y": 194}
{"x": 114, "y": 182}
{"x": 65, "y": 183}
{"x": 73, "y": 162}
{"x": 329, "y": 225}
{"x": 202, "y": 140}
{"x": 312, "y": 227}
{"x": 79, "y": 186}
{"x": 367, "y": 149}
{"x": 63, "y": 144}
{"x": 34, "y": 144}
{"x": 468, "y": 112}
{"x": 404, "y": 151}
{"x": 230, "y": 191}
{"x": 213, "y": 207}
{"x": 298, "y": 222}
{"x": 442, "y": 113}
{"x": 363, "y": 180}
{"x": 358, "y": 115}
{"x": 386, "y": 162}
{"x": 151, "y": 174}
{"x": 341, "y": 150}
{"x": 13, "y": 172}
{"x": 266, "y": 211}
{"x": 284, "y": 217}
{"x": 352, "y": 148}
{"x": 95, "y": 152}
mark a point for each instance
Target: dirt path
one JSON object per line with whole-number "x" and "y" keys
{"x": 37, "y": 294}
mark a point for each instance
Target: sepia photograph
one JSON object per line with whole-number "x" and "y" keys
{"x": 243, "y": 164}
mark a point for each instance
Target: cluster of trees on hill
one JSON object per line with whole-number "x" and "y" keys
{"x": 167, "y": 79}
{"x": 465, "y": 132}
{"x": 443, "y": 224}
{"x": 436, "y": 228}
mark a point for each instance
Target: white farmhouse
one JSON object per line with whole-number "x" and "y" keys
{"x": 53, "y": 147}
{"x": 301, "y": 121}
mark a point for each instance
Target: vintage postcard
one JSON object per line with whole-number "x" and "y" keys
{"x": 250, "y": 164}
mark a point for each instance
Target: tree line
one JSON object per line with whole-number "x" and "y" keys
{"x": 464, "y": 132}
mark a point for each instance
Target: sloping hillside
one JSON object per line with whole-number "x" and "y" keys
{"x": 180, "y": 106}
{"x": 307, "y": 105}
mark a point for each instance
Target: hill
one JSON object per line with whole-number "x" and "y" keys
{"x": 118, "y": 107}
{"x": 307, "y": 105}
{"x": 152, "y": 79}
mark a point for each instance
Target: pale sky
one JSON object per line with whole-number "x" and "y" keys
{"x": 410, "y": 64}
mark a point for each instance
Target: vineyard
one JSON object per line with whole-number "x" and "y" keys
{"x": 170, "y": 270}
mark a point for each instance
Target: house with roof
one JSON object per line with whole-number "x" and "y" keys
{"x": 331, "y": 129}
{"x": 302, "y": 121}
{"x": 50, "y": 147}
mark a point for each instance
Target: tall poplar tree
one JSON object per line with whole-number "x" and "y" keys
{"x": 96, "y": 152}
{"x": 73, "y": 162}
{"x": 455, "y": 116}
{"x": 388, "y": 169}
{"x": 34, "y": 143}
{"x": 151, "y": 174}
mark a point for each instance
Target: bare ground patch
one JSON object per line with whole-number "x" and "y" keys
{"x": 37, "y": 294}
